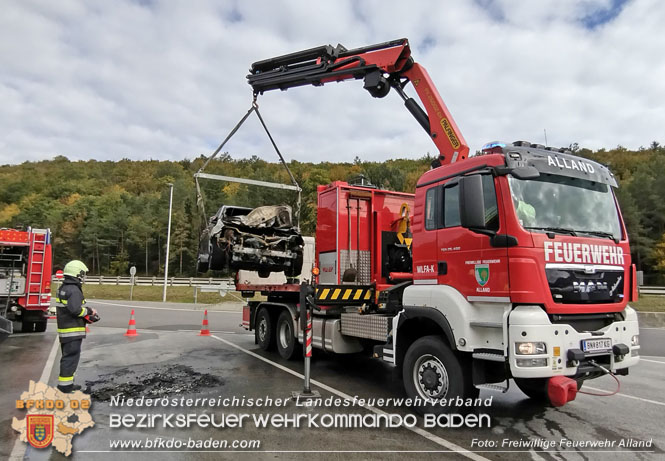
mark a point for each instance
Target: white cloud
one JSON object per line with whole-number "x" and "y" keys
{"x": 166, "y": 80}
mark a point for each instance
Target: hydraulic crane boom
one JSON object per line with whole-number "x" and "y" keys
{"x": 381, "y": 66}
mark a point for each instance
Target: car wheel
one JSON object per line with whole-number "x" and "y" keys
{"x": 218, "y": 258}
{"x": 285, "y": 337}
{"x": 295, "y": 269}
{"x": 431, "y": 371}
{"x": 202, "y": 266}
{"x": 264, "y": 331}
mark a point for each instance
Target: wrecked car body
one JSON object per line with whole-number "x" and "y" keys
{"x": 262, "y": 239}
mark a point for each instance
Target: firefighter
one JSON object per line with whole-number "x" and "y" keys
{"x": 71, "y": 311}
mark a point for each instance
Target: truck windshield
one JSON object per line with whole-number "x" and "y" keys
{"x": 562, "y": 204}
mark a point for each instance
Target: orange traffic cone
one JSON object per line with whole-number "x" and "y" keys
{"x": 131, "y": 328}
{"x": 204, "y": 326}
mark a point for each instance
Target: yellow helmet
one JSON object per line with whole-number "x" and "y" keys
{"x": 76, "y": 269}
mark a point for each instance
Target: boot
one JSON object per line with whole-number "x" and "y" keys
{"x": 68, "y": 389}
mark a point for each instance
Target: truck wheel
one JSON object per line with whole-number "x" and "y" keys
{"x": 40, "y": 326}
{"x": 27, "y": 327}
{"x": 534, "y": 388}
{"x": 432, "y": 371}
{"x": 264, "y": 331}
{"x": 285, "y": 339}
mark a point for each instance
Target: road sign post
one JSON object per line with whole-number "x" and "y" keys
{"x": 132, "y": 273}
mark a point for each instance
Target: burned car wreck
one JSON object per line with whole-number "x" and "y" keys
{"x": 262, "y": 239}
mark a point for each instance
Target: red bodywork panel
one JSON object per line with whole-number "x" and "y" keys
{"x": 372, "y": 212}
{"x": 36, "y": 265}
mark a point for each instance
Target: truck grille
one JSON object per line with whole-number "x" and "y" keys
{"x": 573, "y": 286}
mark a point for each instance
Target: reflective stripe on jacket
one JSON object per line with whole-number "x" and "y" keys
{"x": 71, "y": 310}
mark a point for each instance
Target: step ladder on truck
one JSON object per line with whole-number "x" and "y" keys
{"x": 511, "y": 265}
{"x": 25, "y": 279}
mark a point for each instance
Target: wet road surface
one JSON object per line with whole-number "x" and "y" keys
{"x": 168, "y": 359}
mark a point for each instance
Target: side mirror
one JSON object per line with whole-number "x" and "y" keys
{"x": 472, "y": 202}
{"x": 525, "y": 172}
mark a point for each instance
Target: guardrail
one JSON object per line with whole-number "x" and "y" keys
{"x": 200, "y": 281}
{"x": 652, "y": 291}
{"x": 151, "y": 281}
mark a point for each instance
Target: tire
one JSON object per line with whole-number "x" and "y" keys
{"x": 40, "y": 326}
{"x": 284, "y": 336}
{"x": 202, "y": 266}
{"x": 534, "y": 388}
{"x": 295, "y": 269}
{"x": 432, "y": 371}
{"x": 217, "y": 258}
{"x": 265, "y": 333}
{"x": 27, "y": 327}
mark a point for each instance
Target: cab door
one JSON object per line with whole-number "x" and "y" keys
{"x": 492, "y": 273}
{"x": 459, "y": 250}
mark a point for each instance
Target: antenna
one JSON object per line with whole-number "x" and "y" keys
{"x": 545, "y": 131}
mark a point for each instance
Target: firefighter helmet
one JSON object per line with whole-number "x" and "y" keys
{"x": 76, "y": 269}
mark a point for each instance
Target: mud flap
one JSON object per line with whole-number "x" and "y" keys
{"x": 6, "y": 328}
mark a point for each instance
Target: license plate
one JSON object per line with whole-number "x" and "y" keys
{"x": 597, "y": 345}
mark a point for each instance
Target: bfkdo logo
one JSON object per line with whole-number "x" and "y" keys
{"x": 53, "y": 418}
{"x": 40, "y": 430}
{"x": 482, "y": 274}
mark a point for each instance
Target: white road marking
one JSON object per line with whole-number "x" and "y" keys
{"x": 620, "y": 394}
{"x": 642, "y": 359}
{"x": 220, "y": 331}
{"x": 162, "y": 308}
{"x": 18, "y": 452}
{"x": 423, "y": 433}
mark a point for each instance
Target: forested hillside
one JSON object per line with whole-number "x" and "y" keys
{"x": 114, "y": 214}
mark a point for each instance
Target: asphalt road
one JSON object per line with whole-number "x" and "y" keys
{"x": 169, "y": 359}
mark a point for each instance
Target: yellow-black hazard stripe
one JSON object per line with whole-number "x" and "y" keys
{"x": 343, "y": 294}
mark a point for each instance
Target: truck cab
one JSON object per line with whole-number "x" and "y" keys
{"x": 524, "y": 253}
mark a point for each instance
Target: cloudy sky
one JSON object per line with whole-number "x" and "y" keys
{"x": 166, "y": 79}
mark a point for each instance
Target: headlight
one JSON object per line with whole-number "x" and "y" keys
{"x": 635, "y": 340}
{"x": 530, "y": 348}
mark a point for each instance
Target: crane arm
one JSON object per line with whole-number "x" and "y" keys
{"x": 382, "y": 66}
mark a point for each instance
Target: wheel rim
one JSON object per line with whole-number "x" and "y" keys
{"x": 263, "y": 329}
{"x": 284, "y": 335}
{"x": 430, "y": 377}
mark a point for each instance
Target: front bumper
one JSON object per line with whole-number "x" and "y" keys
{"x": 531, "y": 323}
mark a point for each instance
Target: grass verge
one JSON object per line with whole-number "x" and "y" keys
{"x": 647, "y": 303}
{"x": 150, "y": 293}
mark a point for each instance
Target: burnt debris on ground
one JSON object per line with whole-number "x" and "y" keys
{"x": 162, "y": 382}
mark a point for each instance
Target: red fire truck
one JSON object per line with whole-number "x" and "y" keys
{"x": 25, "y": 279}
{"x": 511, "y": 264}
